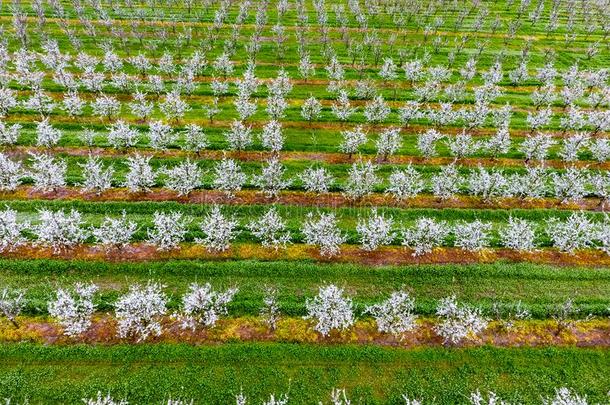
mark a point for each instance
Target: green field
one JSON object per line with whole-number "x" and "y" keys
{"x": 103, "y": 306}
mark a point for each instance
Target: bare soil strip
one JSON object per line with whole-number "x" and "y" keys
{"x": 388, "y": 255}
{"x": 22, "y": 152}
{"x": 302, "y": 199}
{"x": 531, "y": 333}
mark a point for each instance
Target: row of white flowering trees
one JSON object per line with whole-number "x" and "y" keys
{"x": 240, "y": 136}
{"x": 61, "y": 230}
{"x": 140, "y": 311}
{"x": 563, "y": 396}
{"x": 48, "y": 174}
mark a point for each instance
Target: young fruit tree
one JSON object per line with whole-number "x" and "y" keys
{"x": 11, "y": 230}
{"x": 425, "y": 235}
{"x": 59, "y": 230}
{"x": 330, "y": 309}
{"x": 183, "y": 178}
{"x": 395, "y": 315}
{"x": 458, "y": 322}
{"x": 169, "y": 229}
{"x": 375, "y": 231}
{"x": 140, "y": 311}
{"x": 228, "y": 177}
{"x": 202, "y": 306}
{"x": 316, "y": 180}
{"x": 270, "y": 229}
{"x": 114, "y": 233}
{"x": 74, "y": 309}
{"x": 218, "y": 230}
{"x": 324, "y": 233}
{"x": 12, "y": 303}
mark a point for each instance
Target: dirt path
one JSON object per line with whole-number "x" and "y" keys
{"x": 300, "y": 198}
{"x": 390, "y": 255}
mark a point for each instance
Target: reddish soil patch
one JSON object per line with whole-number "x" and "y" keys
{"x": 22, "y": 152}
{"x": 299, "y": 198}
{"x": 524, "y": 333}
{"x": 391, "y": 255}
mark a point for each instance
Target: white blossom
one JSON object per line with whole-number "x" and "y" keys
{"x": 270, "y": 312}
{"x": 377, "y": 110}
{"x": 9, "y": 134}
{"x": 426, "y": 142}
{"x": 11, "y": 173}
{"x": 330, "y": 309}
{"x": 59, "y": 230}
{"x": 518, "y": 234}
{"x": 375, "y": 231}
{"x": 570, "y": 185}
{"x": 46, "y": 135}
{"x": 425, "y": 235}
{"x": 563, "y": 396}
{"x": 323, "y": 232}
{"x": 140, "y": 176}
{"x": 195, "y": 140}
{"x": 342, "y": 108}
{"x": 472, "y": 236}
{"x": 409, "y": 112}
{"x": 161, "y": 135}
{"x": 537, "y": 146}
{"x": 361, "y": 180}
{"x": 121, "y": 136}
{"x": 311, "y": 109}
{"x": 140, "y": 107}
{"x": 218, "y": 229}
{"x": 104, "y": 400}
{"x": 352, "y": 140}
{"x": 48, "y": 173}
{"x": 272, "y": 137}
{"x": 461, "y": 145}
{"x": 396, "y": 314}
{"x": 573, "y": 145}
{"x": 271, "y": 180}
{"x": 183, "y": 178}
{"x": 74, "y": 309}
{"x": 168, "y": 230}
{"x": 11, "y": 230}
{"x": 316, "y": 180}
{"x": 7, "y": 100}
{"x": 487, "y": 184}
{"x": 173, "y": 107}
{"x": 12, "y": 303}
{"x": 140, "y": 310}
{"x": 96, "y": 178}
{"x": 270, "y": 229}
{"x": 228, "y": 177}
{"x": 458, "y": 322}
{"x": 239, "y": 136}
{"x": 446, "y": 183}
{"x": 114, "y": 233}
{"x": 388, "y": 142}
{"x": 577, "y": 232}
{"x": 202, "y": 306}
{"x": 407, "y": 183}
{"x": 106, "y": 106}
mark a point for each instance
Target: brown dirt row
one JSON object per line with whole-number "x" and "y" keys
{"x": 595, "y": 333}
{"x": 413, "y": 129}
{"x": 300, "y": 198}
{"x": 388, "y": 255}
{"x": 22, "y": 152}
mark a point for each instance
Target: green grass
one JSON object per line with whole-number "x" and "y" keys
{"x": 371, "y": 375}
{"x": 538, "y": 287}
